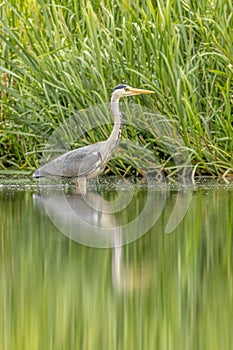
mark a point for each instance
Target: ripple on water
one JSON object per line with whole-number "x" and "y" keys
{"x": 106, "y": 183}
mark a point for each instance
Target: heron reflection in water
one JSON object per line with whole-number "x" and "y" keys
{"x": 92, "y": 221}
{"x": 89, "y": 161}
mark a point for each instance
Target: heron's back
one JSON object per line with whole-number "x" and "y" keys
{"x": 76, "y": 163}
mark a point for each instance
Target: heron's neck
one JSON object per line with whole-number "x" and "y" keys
{"x": 114, "y": 138}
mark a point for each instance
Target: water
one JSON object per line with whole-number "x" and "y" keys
{"x": 161, "y": 291}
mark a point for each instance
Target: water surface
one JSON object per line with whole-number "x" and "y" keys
{"x": 161, "y": 291}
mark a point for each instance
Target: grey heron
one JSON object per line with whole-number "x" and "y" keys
{"x": 89, "y": 161}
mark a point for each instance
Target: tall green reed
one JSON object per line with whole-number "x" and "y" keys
{"x": 60, "y": 57}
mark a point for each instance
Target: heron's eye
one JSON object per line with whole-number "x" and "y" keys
{"x": 126, "y": 89}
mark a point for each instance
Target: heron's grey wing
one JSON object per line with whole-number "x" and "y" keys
{"x": 79, "y": 162}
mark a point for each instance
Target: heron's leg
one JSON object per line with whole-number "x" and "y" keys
{"x": 82, "y": 182}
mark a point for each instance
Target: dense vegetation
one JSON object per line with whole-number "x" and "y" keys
{"x": 62, "y": 56}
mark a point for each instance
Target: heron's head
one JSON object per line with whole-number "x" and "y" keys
{"x": 126, "y": 90}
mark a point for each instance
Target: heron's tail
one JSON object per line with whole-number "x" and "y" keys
{"x": 37, "y": 174}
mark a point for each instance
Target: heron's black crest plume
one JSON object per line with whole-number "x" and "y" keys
{"x": 121, "y": 86}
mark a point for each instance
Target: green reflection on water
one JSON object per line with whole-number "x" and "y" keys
{"x": 164, "y": 291}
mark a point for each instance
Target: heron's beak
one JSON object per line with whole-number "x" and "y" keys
{"x": 135, "y": 91}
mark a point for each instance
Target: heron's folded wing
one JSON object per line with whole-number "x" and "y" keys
{"x": 81, "y": 164}
{"x": 76, "y": 163}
